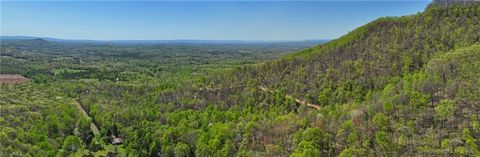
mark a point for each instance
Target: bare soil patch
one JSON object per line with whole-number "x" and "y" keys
{"x": 12, "y": 78}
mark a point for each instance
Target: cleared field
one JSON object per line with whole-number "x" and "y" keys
{"x": 12, "y": 78}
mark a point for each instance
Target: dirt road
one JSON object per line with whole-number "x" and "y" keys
{"x": 271, "y": 91}
{"x": 93, "y": 127}
{"x": 291, "y": 97}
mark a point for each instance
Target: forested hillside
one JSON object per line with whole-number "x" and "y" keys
{"x": 382, "y": 87}
{"x": 37, "y": 119}
{"x": 391, "y": 87}
{"x": 368, "y": 57}
{"x": 398, "y": 86}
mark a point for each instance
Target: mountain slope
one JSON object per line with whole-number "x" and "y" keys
{"x": 369, "y": 56}
{"x": 398, "y": 86}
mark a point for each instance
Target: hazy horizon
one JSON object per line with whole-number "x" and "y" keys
{"x": 246, "y": 40}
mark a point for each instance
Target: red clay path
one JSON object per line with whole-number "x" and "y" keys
{"x": 12, "y": 78}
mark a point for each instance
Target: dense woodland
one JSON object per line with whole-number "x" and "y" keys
{"x": 70, "y": 73}
{"x": 398, "y": 86}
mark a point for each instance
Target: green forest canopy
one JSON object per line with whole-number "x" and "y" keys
{"x": 398, "y": 86}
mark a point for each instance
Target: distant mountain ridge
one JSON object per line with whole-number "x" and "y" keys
{"x": 174, "y": 41}
{"x": 35, "y": 41}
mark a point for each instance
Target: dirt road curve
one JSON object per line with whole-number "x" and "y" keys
{"x": 290, "y": 97}
{"x": 271, "y": 91}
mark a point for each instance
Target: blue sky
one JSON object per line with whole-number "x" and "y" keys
{"x": 221, "y": 20}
